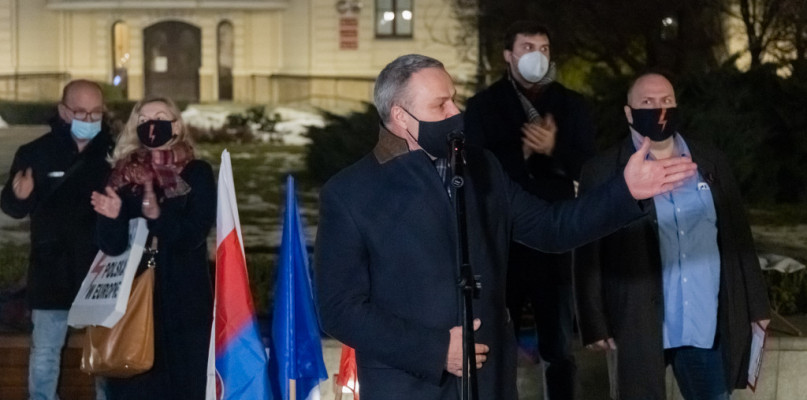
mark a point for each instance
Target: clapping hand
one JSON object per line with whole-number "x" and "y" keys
{"x": 539, "y": 137}
{"x": 23, "y": 183}
{"x": 107, "y": 204}
{"x": 151, "y": 208}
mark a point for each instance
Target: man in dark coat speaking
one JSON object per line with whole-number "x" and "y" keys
{"x": 386, "y": 245}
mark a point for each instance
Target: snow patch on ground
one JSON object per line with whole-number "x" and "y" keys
{"x": 294, "y": 125}
{"x": 206, "y": 118}
{"x": 789, "y": 240}
{"x": 291, "y": 130}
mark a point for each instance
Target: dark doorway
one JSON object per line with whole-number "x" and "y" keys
{"x": 172, "y": 53}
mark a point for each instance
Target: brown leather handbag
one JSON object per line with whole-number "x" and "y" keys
{"x": 126, "y": 349}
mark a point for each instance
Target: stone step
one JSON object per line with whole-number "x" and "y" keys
{"x": 14, "y": 351}
{"x": 784, "y": 364}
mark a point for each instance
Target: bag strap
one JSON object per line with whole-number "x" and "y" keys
{"x": 70, "y": 171}
{"x": 151, "y": 251}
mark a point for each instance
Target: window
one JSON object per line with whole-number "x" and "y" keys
{"x": 225, "y": 60}
{"x": 393, "y": 18}
{"x": 120, "y": 57}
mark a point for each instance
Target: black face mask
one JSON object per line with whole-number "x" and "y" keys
{"x": 155, "y": 133}
{"x": 433, "y": 136}
{"x": 656, "y": 123}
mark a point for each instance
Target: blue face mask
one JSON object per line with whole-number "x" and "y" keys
{"x": 85, "y": 130}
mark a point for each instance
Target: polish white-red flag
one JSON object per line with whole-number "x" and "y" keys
{"x": 237, "y": 365}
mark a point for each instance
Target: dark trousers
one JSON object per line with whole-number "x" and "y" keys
{"x": 699, "y": 372}
{"x": 544, "y": 280}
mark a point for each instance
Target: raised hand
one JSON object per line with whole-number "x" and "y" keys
{"x": 647, "y": 178}
{"x": 107, "y": 204}
{"x": 23, "y": 183}
{"x": 454, "y": 358}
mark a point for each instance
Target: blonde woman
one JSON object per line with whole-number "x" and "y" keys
{"x": 156, "y": 176}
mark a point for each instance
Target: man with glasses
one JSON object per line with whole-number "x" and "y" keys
{"x": 51, "y": 180}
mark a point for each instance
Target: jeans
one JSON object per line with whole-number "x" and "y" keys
{"x": 47, "y": 340}
{"x": 699, "y": 372}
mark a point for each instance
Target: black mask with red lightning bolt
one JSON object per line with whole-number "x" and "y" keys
{"x": 656, "y": 123}
{"x": 155, "y": 133}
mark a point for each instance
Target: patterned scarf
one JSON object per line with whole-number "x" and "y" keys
{"x": 162, "y": 165}
{"x": 526, "y": 104}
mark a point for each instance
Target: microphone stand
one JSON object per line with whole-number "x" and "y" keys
{"x": 467, "y": 283}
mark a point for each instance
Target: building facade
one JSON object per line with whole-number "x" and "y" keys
{"x": 323, "y": 52}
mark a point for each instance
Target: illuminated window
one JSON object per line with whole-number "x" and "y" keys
{"x": 393, "y": 18}
{"x": 120, "y": 56}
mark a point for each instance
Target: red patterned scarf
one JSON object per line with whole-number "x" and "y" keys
{"x": 163, "y": 166}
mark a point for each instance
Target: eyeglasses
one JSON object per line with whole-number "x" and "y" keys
{"x": 82, "y": 115}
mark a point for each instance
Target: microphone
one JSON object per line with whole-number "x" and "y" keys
{"x": 456, "y": 157}
{"x": 456, "y": 134}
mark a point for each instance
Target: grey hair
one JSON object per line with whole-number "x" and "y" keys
{"x": 392, "y": 81}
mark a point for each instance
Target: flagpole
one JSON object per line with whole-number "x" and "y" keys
{"x": 295, "y": 331}
{"x": 240, "y": 365}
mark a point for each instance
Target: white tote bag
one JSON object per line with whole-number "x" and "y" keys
{"x": 104, "y": 294}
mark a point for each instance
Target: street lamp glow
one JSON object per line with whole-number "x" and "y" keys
{"x": 667, "y": 21}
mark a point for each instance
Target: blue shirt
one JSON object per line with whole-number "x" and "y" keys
{"x": 690, "y": 259}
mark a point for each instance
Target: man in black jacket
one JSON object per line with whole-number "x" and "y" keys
{"x": 680, "y": 286}
{"x": 386, "y": 257}
{"x": 541, "y": 133}
{"x": 51, "y": 180}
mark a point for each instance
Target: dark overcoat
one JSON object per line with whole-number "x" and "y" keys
{"x": 618, "y": 280}
{"x": 183, "y": 294}
{"x": 62, "y": 218}
{"x": 386, "y": 265}
{"x": 493, "y": 120}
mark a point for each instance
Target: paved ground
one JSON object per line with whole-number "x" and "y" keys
{"x": 592, "y": 373}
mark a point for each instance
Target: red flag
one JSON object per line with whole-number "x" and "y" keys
{"x": 348, "y": 377}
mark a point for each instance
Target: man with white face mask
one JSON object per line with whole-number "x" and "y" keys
{"x": 50, "y": 181}
{"x": 542, "y": 133}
